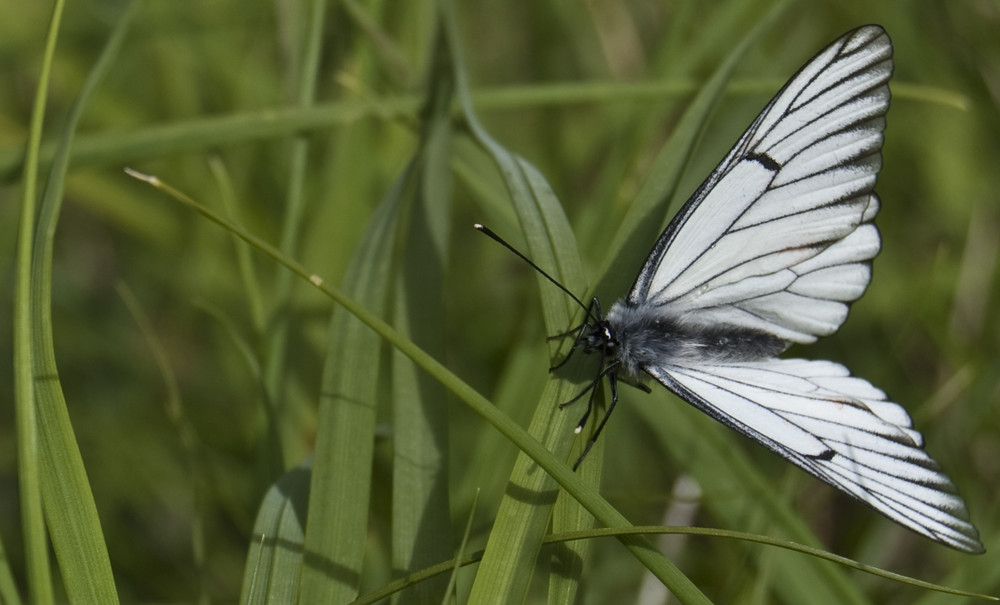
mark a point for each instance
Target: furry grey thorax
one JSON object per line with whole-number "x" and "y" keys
{"x": 641, "y": 336}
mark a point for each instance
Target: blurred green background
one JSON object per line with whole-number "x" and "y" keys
{"x": 926, "y": 331}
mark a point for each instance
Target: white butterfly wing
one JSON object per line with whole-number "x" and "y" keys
{"x": 779, "y": 237}
{"x": 837, "y": 427}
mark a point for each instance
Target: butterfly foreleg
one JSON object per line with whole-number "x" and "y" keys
{"x": 593, "y": 311}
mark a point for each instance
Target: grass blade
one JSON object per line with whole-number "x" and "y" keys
{"x": 276, "y": 552}
{"x": 336, "y": 528}
{"x": 421, "y": 523}
{"x": 25, "y": 398}
{"x": 291, "y": 228}
{"x": 524, "y": 513}
{"x": 75, "y": 528}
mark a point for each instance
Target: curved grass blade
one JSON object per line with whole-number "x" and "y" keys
{"x": 29, "y": 453}
{"x": 471, "y": 558}
{"x": 421, "y": 520}
{"x": 70, "y": 510}
{"x": 525, "y": 511}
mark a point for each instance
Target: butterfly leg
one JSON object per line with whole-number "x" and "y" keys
{"x": 576, "y": 342}
{"x": 588, "y": 389}
{"x": 594, "y": 310}
{"x": 612, "y": 375}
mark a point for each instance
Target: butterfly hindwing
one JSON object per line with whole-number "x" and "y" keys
{"x": 837, "y": 427}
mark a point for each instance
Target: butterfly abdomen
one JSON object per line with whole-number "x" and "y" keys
{"x": 646, "y": 335}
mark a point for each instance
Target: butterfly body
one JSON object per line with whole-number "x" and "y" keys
{"x": 645, "y": 336}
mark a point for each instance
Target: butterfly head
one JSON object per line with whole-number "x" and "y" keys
{"x": 600, "y": 338}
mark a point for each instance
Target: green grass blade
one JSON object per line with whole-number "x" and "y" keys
{"x": 277, "y": 546}
{"x": 938, "y": 590}
{"x": 523, "y": 518}
{"x": 197, "y": 134}
{"x": 941, "y": 593}
{"x": 39, "y": 573}
{"x": 291, "y": 228}
{"x": 461, "y": 553}
{"x": 567, "y": 559}
{"x": 421, "y": 523}
{"x": 74, "y": 525}
{"x": 8, "y": 589}
{"x": 248, "y": 273}
{"x": 337, "y": 523}
{"x": 524, "y": 513}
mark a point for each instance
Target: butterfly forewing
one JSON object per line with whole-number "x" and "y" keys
{"x": 798, "y": 181}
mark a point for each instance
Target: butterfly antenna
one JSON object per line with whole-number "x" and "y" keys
{"x": 486, "y": 230}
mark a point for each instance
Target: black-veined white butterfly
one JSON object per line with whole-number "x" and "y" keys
{"x": 770, "y": 251}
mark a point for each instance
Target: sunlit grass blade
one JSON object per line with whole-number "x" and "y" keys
{"x": 940, "y": 593}
{"x": 783, "y": 545}
{"x": 525, "y": 511}
{"x": 334, "y": 513}
{"x": 567, "y": 560}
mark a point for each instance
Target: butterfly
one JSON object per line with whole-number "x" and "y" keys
{"x": 768, "y": 252}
